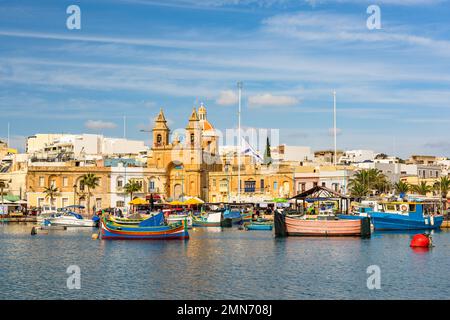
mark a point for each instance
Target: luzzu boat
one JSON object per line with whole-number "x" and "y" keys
{"x": 234, "y": 214}
{"x": 259, "y": 225}
{"x": 212, "y": 219}
{"x": 150, "y": 229}
{"x": 412, "y": 215}
{"x": 179, "y": 218}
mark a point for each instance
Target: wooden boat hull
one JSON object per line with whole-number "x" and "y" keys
{"x": 143, "y": 233}
{"x": 327, "y": 228}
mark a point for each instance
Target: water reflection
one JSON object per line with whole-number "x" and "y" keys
{"x": 220, "y": 264}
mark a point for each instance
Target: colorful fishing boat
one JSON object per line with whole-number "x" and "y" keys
{"x": 179, "y": 218}
{"x": 234, "y": 214}
{"x": 299, "y": 226}
{"x": 211, "y": 219}
{"x": 411, "y": 215}
{"x": 255, "y": 225}
{"x": 150, "y": 229}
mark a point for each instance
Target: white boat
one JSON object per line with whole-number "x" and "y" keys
{"x": 179, "y": 218}
{"x": 71, "y": 219}
{"x": 46, "y": 213}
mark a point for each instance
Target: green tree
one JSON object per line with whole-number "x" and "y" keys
{"x": 442, "y": 186}
{"x": 90, "y": 181}
{"x": 401, "y": 187}
{"x": 132, "y": 187}
{"x": 51, "y": 192}
{"x": 358, "y": 190}
{"x": 371, "y": 179}
{"x": 422, "y": 188}
{"x": 267, "y": 154}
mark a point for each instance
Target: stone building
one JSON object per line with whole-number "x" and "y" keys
{"x": 67, "y": 179}
{"x": 187, "y": 158}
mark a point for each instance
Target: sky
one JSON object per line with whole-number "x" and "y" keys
{"x": 132, "y": 57}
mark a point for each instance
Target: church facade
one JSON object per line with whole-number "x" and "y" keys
{"x": 187, "y": 157}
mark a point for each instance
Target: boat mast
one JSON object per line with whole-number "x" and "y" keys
{"x": 9, "y": 146}
{"x": 239, "y": 84}
{"x": 334, "y": 129}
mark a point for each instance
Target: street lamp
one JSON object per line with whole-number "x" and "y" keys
{"x": 74, "y": 194}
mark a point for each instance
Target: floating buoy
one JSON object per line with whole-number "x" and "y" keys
{"x": 95, "y": 236}
{"x": 421, "y": 240}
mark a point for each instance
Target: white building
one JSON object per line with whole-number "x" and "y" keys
{"x": 120, "y": 176}
{"x": 67, "y": 146}
{"x": 336, "y": 179}
{"x": 291, "y": 153}
{"x": 357, "y": 156}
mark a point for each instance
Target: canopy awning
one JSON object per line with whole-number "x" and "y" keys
{"x": 138, "y": 201}
{"x": 193, "y": 201}
{"x": 320, "y": 192}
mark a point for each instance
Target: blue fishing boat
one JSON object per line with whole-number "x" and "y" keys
{"x": 234, "y": 214}
{"x": 266, "y": 226}
{"x": 412, "y": 215}
{"x": 359, "y": 213}
{"x": 150, "y": 229}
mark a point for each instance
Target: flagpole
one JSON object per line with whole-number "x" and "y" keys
{"x": 334, "y": 124}
{"x": 239, "y": 84}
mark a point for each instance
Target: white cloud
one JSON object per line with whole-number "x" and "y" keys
{"x": 268, "y": 99}
{"x": 331, "y": 131}
{"x": 99, "y": 124}
{"x": 227, "y": 97}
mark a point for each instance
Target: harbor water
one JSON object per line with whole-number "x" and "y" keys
{"x": 220, "y": 264}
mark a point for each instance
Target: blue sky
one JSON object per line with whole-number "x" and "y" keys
{"x": 132, "y": 57}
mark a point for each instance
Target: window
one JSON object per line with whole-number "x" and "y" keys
{"x": 81, "y": 186}
{"x": 40, "y": 202}
{"x": 151, "y": 185}
{"x": 120, "y": 204}
{"x": 261, "y": 185}
{"x": 192, "y": 138}
{"x": 159, "y": 139}
{"x": 249, "y": 186}
{"x": 315, "y": 184}
{"x": 275, "y": 185}
{"x": 303, "y": 187}
{"x": 53, "y": 183}
{"x": 223, "y": 186}
{"x": 119, "y": 182}
{"x": 65, "y": 202}
{"x": 324, "y": 184}
{"x": 41, "y": 182}
{"x": 65, "y": 181}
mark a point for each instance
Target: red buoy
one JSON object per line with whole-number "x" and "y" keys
{"x": 420, "y": 240}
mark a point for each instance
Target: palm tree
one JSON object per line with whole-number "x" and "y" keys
{"x": 422, "y": 188}
{"x": 443, "y": 187}
{"x": 371, "y": 179}
{"x": 51, "y": 192}
{"x": 358, "y": 190}
{"x": 401, "y": 187}
{"x": 132, "y": 187}
{"x": 90, "y": 181}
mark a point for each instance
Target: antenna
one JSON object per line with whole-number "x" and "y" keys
{"x": 239, "y": 85}
{"x": 124, "y": 127}
{"x": 334, "y": 124}
{"x": 8, "y": 141}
